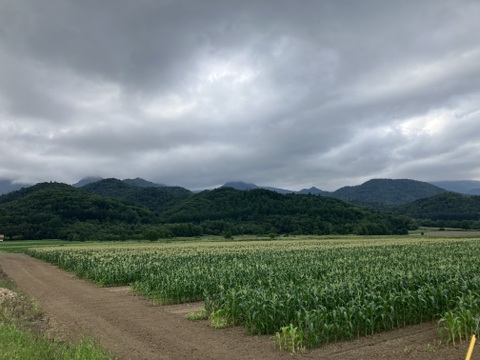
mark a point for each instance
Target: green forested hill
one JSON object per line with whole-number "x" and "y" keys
{"x": 142, "y": 183}
{"x": 447, "y": 209}
{"x": 157, "y": 199}
{"x": 384, "y": 193}
{"x": 53, "y": 210}
{"x": 259, "y": 211}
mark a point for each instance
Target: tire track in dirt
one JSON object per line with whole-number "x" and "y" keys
{"x": 132, "y": 328}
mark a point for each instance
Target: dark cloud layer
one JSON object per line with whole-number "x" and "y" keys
{"x": 276, "y": 92}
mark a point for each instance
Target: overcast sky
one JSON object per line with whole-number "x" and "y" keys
{"x": 285, "y": 93}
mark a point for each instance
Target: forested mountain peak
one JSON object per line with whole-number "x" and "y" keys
{"x": 387, "y": 191}
{"x": 239, "y": 185}
{"x": 314, "y": 191}
{"x": 142, "y": 183}
{"x": 26, "y": 191}
{"x": 87, "y": 180}
{"x": 106, "y": 186}
{"x": 156, "y": 198}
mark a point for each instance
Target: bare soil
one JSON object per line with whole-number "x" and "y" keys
{"x": 131, "y": 327}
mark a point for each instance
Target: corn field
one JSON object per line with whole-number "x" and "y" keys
{"x": 331, "y": 290}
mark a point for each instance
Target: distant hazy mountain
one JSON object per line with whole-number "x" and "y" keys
{"x": 278, "y": 190}
{"x": 314, "y": 191}
{"x": 7, "y": 186}
{"x": 142, "y": 183}
{"x": 240, "y": 185}
{"x": 471, "y": 187}
{"x": 387, "y": 192}
{"x": 138, "y": 182}
{"x": 87, "y": 180}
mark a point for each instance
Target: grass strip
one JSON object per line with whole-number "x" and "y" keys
{"x": 17, "y": 343}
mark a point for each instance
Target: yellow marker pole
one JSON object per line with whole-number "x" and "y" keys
{"x": 470, "y": 349}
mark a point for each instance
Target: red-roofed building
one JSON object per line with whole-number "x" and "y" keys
{"x": 2, "y": 237}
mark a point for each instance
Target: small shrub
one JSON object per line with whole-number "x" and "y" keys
{"x": 197, "y": 315}
{"x": 220, "y": 320}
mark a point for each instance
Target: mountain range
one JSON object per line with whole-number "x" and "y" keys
{"x": 379, "y": 194}
{"x": 470, "y": 187}
{"x": 239, "y": 185}
{"x": 115, "y": 210}
{"x": 137, "y": 208}
{"x": 376, "y": 193}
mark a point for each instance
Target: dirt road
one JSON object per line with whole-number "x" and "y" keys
{"x": 132, "y": 328}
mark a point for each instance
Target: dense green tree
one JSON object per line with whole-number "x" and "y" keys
{"x": 383, "y": 194}
{"x": 53, "y": 210}
{"x": 262, "y": 211}
{"x": 445, "y": 210}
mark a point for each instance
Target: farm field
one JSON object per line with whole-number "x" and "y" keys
{"x": 306, "y": 293}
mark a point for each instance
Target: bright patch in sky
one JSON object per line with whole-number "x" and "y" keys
{"x": 228, "y": 73}
{"x": 169, "y": 107}
{"x": 428, "y": 124}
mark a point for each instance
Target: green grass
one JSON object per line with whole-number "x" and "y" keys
{"x": 17, "y": 246}
{"x": 20, "y": 246}
{"x": 17, "y": 343}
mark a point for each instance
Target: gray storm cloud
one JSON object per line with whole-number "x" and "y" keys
{"x": 276, "y": 92}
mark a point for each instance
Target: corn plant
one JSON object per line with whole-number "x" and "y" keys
{"x": 328, "y": 290}
{"x": 290, "y": 338}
